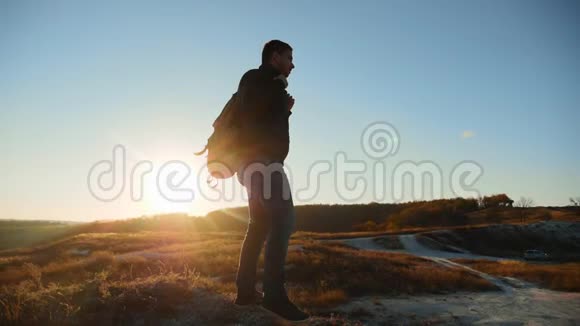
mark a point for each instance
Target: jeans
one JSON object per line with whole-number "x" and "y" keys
{"x": 271, "y": 219}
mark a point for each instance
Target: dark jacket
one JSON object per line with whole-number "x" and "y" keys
{"x": 264, "y": 114}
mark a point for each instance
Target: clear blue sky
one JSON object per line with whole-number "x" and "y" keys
{"x": 78, "y": 77}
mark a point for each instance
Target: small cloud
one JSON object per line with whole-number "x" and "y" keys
{"x": 468, "y": 134}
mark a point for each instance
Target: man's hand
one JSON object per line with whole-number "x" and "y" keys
{"x": 290, "y": 102}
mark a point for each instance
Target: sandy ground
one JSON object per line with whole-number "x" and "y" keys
{"x": 518, "y": 302}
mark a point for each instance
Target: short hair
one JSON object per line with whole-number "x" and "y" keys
{"x": 273, "y": 46}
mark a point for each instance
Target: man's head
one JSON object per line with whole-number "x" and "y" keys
{"x": 279, "y": 55}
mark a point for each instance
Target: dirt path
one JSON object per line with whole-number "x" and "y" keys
{"x": 412, "y": 246}
{"x": 518, "y": 302}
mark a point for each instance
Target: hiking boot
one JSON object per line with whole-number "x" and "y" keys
{"x": 285, "y": 308}
{"x": 244, "y": 299}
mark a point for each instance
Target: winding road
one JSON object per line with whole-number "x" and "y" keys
{"x": 517, "y": 303}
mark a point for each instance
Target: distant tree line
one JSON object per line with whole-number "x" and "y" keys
{"x": 339, "y": 217}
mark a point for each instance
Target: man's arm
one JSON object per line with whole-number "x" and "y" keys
{"x": 265, "y": 106}
{"x": 280, "y": 112}
{"x": 254, "y": 103}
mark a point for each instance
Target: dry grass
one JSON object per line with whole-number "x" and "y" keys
{"x": 208, "y": 257}
{"x": 562, "y": 277}
{"x": 100, "y": 300}
{"x": 127, "y": 277}
{"x": 17, "y": 233}
{"x": 326, "y": 274}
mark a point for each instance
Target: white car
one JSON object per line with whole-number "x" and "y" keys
{"x": 534, "y": 254}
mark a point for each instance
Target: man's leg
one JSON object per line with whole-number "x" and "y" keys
{"x": 258, "y": 228}
{"x": 281, "y": 209}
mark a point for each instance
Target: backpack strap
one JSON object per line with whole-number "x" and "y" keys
{"x": 201, "y": 152}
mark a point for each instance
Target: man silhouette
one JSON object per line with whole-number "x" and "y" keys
{"x": 265, "y": 111}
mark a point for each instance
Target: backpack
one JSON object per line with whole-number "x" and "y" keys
{"x": 224, "y": 151}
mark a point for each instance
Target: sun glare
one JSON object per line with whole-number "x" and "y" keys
{"x": 160, "y": 198}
